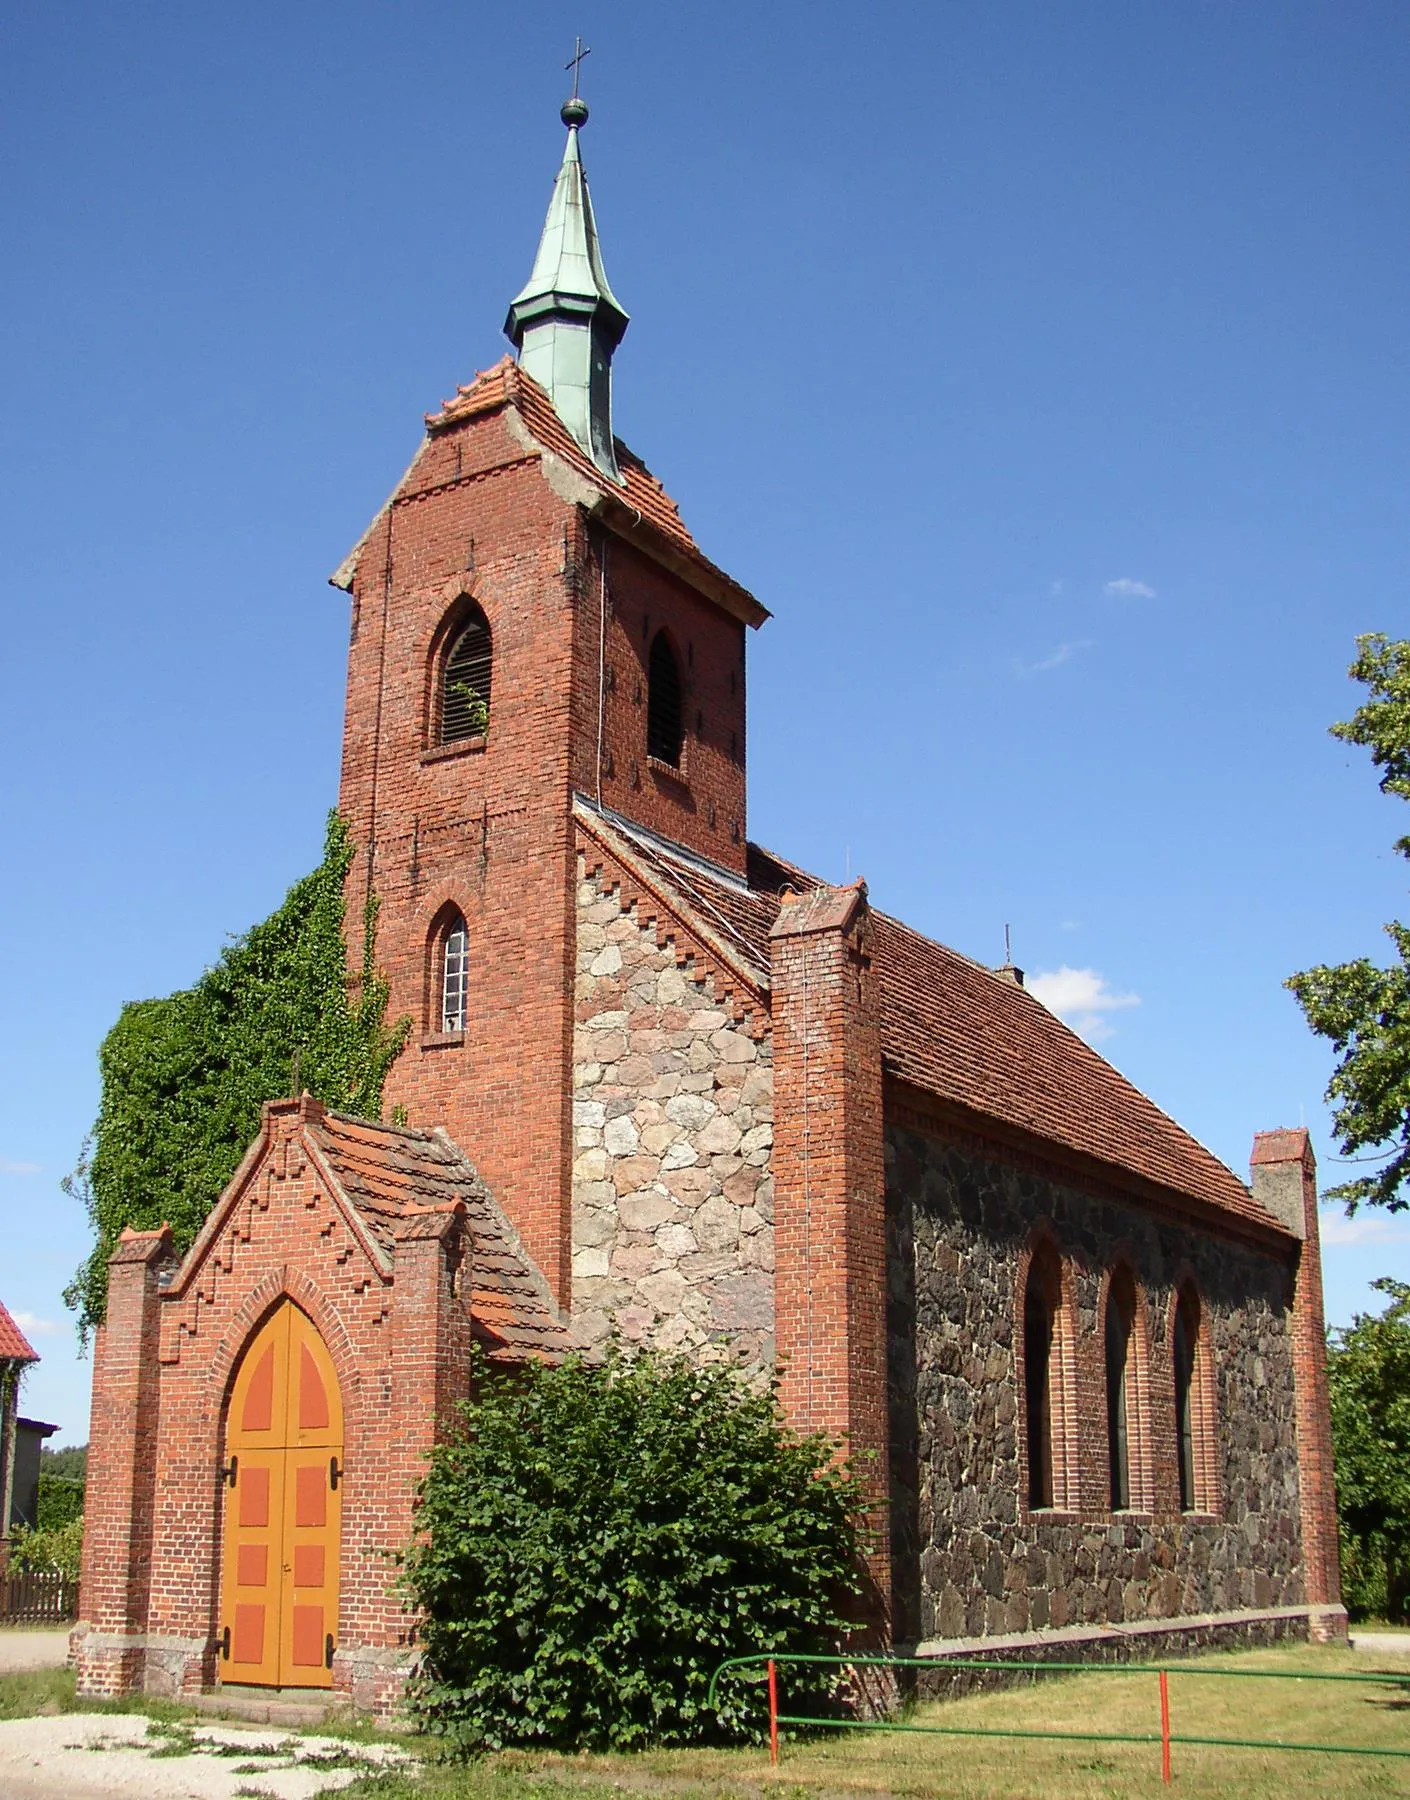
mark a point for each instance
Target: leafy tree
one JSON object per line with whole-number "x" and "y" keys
{"x": 60, "y": 1548}
{"x": 71, "y": 1462}
{"x": 184, "y": 1078}
{"x": 1369, "y": 1374}
{"x": 1365, "y": 1009}
{"x": 602, "y": 1536}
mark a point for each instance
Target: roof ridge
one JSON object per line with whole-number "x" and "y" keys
{"x": 406, "y": 1131}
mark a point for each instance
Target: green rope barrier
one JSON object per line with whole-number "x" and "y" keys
{"x": 936, "y": 1665}
{"x": 1084, "y": 1737}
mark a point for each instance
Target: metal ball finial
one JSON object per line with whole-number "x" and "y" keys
{"x": 574, "y": 112}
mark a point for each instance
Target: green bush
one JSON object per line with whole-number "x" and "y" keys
{"x": 184, "y": 1077}
{"x": 61, "y": 1548}
{"x": 60, "y": 1501}
{"x": 601, "y": 1537}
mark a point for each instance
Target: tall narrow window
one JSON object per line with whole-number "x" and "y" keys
{"x": 1186, "y": 1338}
{"x": 465, "y": 684}
{"x": 1119, "y": 1319}
{"x": 1037, "y": 1380}
{"x": 455, "y": 975}
{"x": 665, "y": 722}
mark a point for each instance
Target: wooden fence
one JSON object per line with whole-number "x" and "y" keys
{"x": 42, "y": 1598}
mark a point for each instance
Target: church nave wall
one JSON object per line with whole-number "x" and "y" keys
{"x": 971, "y": 1557}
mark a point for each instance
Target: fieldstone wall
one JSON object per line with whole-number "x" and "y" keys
{"x": 673, "y": 1238}
{"x": 970, "y": 1560}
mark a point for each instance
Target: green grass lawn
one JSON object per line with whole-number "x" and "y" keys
{"x": 877, "y": 1763}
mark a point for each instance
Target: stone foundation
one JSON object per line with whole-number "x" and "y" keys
{"x": 1150, "y": 1640}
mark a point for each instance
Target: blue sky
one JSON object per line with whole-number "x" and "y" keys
{"x": 1042, "y": 367}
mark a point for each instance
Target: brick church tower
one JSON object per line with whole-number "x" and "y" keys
{"x": 530, "y": 621}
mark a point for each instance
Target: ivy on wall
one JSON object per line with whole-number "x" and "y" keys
{"x": 184, "y": 1078}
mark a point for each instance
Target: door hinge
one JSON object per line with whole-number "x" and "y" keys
{"x": 228, "y": 1472}
{"x": 225, "y": 1644}
{"x": 328, "y": 1651}
{"x": 335, "y": 1473}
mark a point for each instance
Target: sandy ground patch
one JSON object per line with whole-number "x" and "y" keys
{"x": 105, "y": 1756}
{"x": 37, "y": 1649}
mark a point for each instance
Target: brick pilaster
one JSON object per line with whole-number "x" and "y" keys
{"x": 829, "y": 1175}
{"x": 430, "y": 1341}
{"x": 117, "y": 1539}
{"x": 1284, "y": 1174}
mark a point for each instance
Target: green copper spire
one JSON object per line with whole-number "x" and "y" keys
{"x": 566, "y": 321}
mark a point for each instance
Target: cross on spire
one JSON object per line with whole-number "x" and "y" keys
{"x": 575, "y": 64}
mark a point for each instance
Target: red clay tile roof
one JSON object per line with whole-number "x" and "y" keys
{"x": 506, "y": 384}
{"x": 957, "y": 1030}
{"x": 384, "y": 1170}
{"x": 14, "y": 1347}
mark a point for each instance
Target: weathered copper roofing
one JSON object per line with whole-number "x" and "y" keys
{"x": 565, "y": 321}
{"x": 955, "y": 1029}
{"x": 14, "y": 1346}
{"x": 388, "y": 1172}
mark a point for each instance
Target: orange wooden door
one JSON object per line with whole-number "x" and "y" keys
{"x": 284, "y": 1445}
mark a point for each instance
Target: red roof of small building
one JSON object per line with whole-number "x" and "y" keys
{"x": 958, "y": 1030}
{"x": 14, "y": 1346}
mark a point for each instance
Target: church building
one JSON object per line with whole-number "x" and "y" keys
{"x": 662, "y": 1083}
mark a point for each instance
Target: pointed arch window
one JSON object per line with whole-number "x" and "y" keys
{"x": 1037, "y": 1382}
{"x": 1048, "y": 1375}
{"x": 465, "y": 680}
{"x": 455, "y": 974}
{"x": 1120, "y": 1386}
{"x": 1196, "y": 1405}
{"x": 665, "y": 715}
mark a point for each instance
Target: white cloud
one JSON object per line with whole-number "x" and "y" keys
{"x": 1081, "y": 998}
{"x": 1365, "y": 1228}
{"x": 1055, "y": 658}
{"x": 31, "y": 1322}
{"x": 9, "y": 1167}
{"x": 1123, "y": 588}
{"x": 1057, "y": 589}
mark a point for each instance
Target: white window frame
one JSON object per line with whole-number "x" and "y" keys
{"x": 455, "y": 977}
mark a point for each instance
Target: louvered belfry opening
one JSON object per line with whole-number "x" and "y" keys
{"x": 665, "y": 720}
{"x": 465, "y": 693}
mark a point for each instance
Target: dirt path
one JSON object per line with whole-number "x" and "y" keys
{"x": 41, "y": 1648}
{"x": 122, "y": 1756}
{"x": 1382, "y": 1643}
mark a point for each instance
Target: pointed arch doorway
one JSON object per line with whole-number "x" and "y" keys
{"x": 283, "y": 1508}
